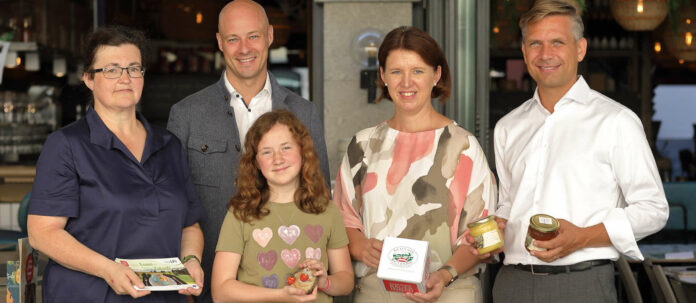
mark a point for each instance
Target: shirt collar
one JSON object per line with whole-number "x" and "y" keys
{"x": 266, "y": 90}
{"x": 578, "y": 92}
{"x": 100, "y": 135}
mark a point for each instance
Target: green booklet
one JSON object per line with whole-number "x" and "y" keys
{"x": 160, "y": 274}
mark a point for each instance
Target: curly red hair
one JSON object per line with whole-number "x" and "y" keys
{"x": 312, "y": 194}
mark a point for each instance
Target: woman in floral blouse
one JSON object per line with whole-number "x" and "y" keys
{"x": 418, "y": 175}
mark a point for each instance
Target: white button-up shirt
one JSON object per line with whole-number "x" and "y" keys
{"x": 588, "y": 163}
{"x": 244, "y": 114}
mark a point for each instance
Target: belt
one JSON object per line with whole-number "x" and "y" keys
{"x": 550, "y": 269}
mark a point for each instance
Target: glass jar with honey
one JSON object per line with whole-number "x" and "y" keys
{"x": 542, "y": 227}
{"x": 486, "y": 234}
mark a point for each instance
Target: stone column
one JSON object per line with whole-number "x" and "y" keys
{"x": 345, "y": 106}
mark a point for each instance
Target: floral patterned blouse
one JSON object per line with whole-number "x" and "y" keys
{"x": 425, "y": 185}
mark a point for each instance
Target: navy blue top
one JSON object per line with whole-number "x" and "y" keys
{"x": 116, "y": 206}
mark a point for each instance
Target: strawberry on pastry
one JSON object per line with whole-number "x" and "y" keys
{"x": 302, "y": 279}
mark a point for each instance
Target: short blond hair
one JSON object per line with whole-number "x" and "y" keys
{"x": 546, "y": 8}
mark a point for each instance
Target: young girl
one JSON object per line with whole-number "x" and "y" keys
{"x": 280, "y": 220}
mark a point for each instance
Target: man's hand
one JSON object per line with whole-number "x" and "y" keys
{"x": 487, "y": 257}
{"x": 370, "y": 252}
{"x": 571, "y": 238}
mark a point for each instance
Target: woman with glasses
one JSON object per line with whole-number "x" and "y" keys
{"x": 110, "y": 186}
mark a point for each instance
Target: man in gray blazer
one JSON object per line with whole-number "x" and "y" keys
{"x": 212, "y": 123}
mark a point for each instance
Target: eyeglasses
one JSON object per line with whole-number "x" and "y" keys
{"x": 113, "y": 72}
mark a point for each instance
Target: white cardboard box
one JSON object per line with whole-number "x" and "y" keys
{"x": 404, "y": 265}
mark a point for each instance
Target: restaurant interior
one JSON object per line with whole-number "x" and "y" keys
{"x": 641, "y": 54}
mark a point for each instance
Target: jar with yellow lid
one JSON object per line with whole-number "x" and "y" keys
{"x": 542, "y": 227}
{"x": 486, "y": 234}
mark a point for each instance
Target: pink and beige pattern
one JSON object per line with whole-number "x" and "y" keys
{"x": 262, "y": 236}
{"x": 425, "y": 185}
{"x": 290, "y": 257}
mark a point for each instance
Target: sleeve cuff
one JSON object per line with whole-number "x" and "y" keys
{"x": 621, "y": 234}
{"x": 503, "y": 212}
{"x": 53, "y": 207}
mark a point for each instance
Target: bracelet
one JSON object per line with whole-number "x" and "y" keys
{"x": 328, "y": 283}
{"x": 189, "y": 257}
{"x": 452, "y": 272}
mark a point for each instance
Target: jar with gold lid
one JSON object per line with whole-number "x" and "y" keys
{"x": 486, "y": 234}
{"x": 542, "y": 227}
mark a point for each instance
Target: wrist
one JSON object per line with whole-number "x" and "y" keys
{"x": 446, "y": 275}
{"x": 188, "y": 258}
{"x": 449, "y": 271}
{"x": 326, "y": 286}
{"x": 103, "y": 271}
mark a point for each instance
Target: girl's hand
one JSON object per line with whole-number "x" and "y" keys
{"x": 317, "y": 269}
{"x": 292, "y": 294}
{"x": 122, "y": 279}
{"x": 194, "y": 268}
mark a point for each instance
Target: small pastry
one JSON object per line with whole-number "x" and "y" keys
{"x": 302, "y": 279}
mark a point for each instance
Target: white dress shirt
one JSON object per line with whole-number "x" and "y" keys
{"x": 244, "y": 114}
{"x": 588, "y": 163}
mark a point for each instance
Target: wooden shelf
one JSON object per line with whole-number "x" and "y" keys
{"x": 23, "y": 46}
{"x": 611, "y": 53}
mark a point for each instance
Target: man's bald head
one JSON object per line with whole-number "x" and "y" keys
{"x": 244, "y": 37}
{"x": 242, "y": 7}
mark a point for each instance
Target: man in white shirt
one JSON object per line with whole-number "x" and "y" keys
{"x": 578, "y": 156}
{"x": 212, "y": 123}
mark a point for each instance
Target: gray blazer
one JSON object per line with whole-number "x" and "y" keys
{"x": 205, "y": 124}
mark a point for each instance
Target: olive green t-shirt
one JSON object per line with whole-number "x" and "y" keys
{"x": 271, "y": 248}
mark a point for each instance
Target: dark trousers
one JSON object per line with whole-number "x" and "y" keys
{"x": 593, "y": 285}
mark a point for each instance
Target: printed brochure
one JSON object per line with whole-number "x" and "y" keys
{"x": 160, "y": 274}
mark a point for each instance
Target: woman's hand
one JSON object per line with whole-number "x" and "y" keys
{"x": 370, "y": 252}
{"x": 122, "y": 279}
{"x": 434, "y": 286}
{"x": 292, "y": 294}
{"x": 194, "y": 268}
{"x": 318, "y": 271}
{"x": 363, "y": 249}
{"x": 487, "y": 257}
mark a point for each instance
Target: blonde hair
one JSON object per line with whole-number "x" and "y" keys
{"x": 546, "y": 8}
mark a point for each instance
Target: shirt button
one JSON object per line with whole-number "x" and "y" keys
{"x": 236, "y": 146}
{"x": 204, "y": 148}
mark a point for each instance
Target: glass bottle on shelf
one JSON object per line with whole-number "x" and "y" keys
{"x": 27, "y": 31}
{"x": 7, "y": 109}
{"x": 13, "y": 29}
